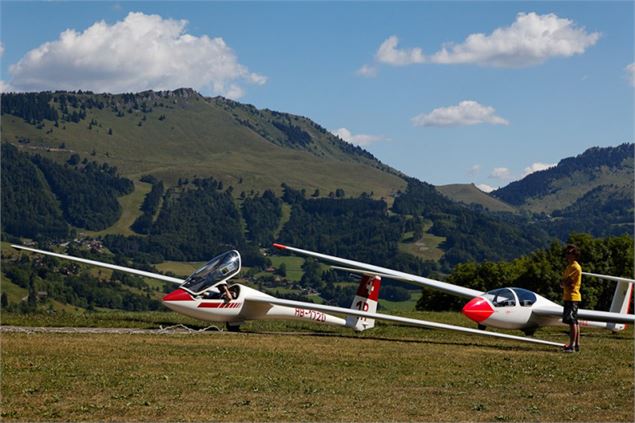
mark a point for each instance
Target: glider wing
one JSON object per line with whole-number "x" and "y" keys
{"x": 591, "y": 315}
{"x": 352, "y": 265}
{"x": 396, "y": 319}
{"x": 102, "y": 264}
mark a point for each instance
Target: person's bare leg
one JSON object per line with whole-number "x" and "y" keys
{"x": 572, "y": 335}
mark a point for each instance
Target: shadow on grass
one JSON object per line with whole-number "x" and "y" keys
{"x": 325, "y": 334}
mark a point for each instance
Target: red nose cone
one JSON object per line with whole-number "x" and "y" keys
{"x": 478, "y": 309}
{"x": 178, "y": 295}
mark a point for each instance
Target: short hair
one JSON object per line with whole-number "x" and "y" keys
{"x": 573, "y": 250}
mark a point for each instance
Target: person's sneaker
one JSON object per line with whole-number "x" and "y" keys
{"x": 568, "y": 349}
{"x": 577, "y": 348}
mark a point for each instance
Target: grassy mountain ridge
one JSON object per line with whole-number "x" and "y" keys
{"x": 560, "y": 187}
{"x": 469, "y": 194}
{"x": 181, "y": 134}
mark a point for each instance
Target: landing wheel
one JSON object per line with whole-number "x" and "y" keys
{"x": 232, "y": 327}
{"x": 482, "y": 327}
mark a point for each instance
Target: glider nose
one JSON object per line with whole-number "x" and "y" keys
{"x": 478, "y": 309}
{"x": 178, "y": 295}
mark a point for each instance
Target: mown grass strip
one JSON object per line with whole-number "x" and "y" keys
{"x": 297, "y": 371}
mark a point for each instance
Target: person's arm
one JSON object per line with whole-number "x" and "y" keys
{"x": 228, "y": 294}
{"x": 573, "y": 277}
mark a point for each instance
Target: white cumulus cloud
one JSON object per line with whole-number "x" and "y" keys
{"x": 138, "y": 53}
{"x": 536, "y": 167}
{"x": 358, "y": 139}
{"x": 485, "y": 188}
{"x": 467, "y": 112}
{"x": 502, "y": 173}
{"x": 389, "y": 53}
{"x": 630, "y": 71}
{"x": 530, "y": 40}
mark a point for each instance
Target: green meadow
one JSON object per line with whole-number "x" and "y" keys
{"x": 295, "y": 371}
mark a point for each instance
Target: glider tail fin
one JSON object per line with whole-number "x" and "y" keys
{"x": 365, "y": 300}
{"x": 621, "y": 303}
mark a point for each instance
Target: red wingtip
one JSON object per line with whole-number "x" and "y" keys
{"x": 280, "y": 246}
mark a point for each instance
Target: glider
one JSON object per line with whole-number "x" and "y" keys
{"x": 201, "y": 296}
{"x": 504, "y": 308}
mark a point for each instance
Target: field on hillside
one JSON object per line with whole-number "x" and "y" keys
{"x": 196, "y": 138}
{"x": 276, "y": 371}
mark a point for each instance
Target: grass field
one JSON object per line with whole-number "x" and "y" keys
{"x": 426, "y": 248}
{"x": 130, "y": 211}
{"x": 276, "y": 371}
{"x": 294, "y": 266}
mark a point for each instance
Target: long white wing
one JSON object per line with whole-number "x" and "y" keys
{"x": 583, "y": 314}
{"x": 405, "y": 277}
{"x": 106, "y": 265}
{"x": 610, "y": 278}
{"x": 397, "y": 319}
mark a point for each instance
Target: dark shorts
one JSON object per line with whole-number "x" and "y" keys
{"x": 570, "y": 312}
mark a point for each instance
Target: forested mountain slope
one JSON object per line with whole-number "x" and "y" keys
{"x": 592, "y": 192}
{"x": 561, "y": 186}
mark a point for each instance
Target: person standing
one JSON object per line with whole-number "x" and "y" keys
{"x": 571, "y": 282}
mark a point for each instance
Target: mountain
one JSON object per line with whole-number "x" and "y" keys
{"x": 608, "y": 170}
{"x": 225, "y": 174}
{"x": 592, "y": 193}
{"x": 470, "y": 195}
{"x": 181, "y": 134}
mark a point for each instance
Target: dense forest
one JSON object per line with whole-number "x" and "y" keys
{"x": 29, "y": 208}
{"x": 471, "y": 235}
{"x": 36, "y": 191}
{"x": 87, "y": 192}
{"x": 262, "y": 215}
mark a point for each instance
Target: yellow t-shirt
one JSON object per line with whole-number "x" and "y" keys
{"x": 573, "y": 271}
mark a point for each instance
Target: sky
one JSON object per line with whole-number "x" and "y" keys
{"x": 447, "y": 92}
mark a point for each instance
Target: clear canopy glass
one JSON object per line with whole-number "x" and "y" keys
{"x": 525, "y": 297}
{"x": 218, "y": 269}
{"x": 502, "y": 297}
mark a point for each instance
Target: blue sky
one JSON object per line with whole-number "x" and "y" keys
{"x": 448, "y": 92}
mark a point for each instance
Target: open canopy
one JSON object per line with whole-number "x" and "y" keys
{"x": 218, "y": 269}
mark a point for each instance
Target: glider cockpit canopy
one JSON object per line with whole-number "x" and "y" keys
{"x": 215, "y": 271}
{"x": 509, "y": 297}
